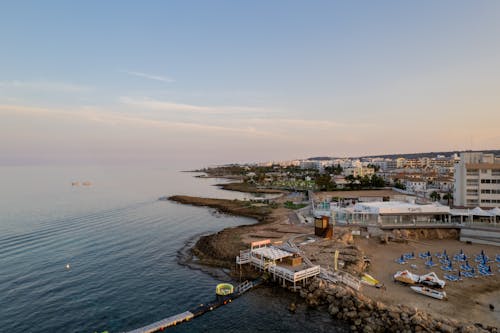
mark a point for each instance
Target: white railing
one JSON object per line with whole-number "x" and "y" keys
{"x": 341, "y": 276}
{"x": 243, "y": 258}
{"x": 294, "y": 276}
{"x": 243, "y": 287}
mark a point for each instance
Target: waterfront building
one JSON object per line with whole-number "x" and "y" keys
{"x": 477, "y": 180}
{"x": 391, "y": 213}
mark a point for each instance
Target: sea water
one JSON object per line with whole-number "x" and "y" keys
{"x": 105, "y": 256}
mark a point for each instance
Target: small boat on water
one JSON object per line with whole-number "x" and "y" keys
{"x": 429, "y": 292}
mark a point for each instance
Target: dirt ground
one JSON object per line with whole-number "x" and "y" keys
{"x": 468, "y": 299}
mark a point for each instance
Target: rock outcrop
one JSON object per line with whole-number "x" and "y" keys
{"x": 367, "y": 316}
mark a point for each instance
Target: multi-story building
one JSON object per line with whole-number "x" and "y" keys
{"x": 397, "y": 163}
{"x": 415, "y": 185}
{"x": 477, "y": 180}
{"x": 359, "y": 171}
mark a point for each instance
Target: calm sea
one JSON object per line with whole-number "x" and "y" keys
{"x": 121, "y": 244}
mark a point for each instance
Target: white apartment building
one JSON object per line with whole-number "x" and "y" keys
{"x": 358, "y": 171}
{"x": 415, "y": 185}
{"x": 395, "y": 164}
{"x": 477, "y": 180}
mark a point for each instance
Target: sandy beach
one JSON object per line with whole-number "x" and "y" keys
{"x": 468, "y": 299}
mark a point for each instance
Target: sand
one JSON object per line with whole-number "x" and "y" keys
{"x": 467, "y": 300}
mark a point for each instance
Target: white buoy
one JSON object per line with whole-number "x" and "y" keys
{"x": 68, "y": 266}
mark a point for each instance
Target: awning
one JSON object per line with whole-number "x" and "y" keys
{"x": 479, "y": 212}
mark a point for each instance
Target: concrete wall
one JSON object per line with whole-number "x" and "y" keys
{"x": 488, "y": 236}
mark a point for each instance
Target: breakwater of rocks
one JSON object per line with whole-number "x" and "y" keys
{"x": 367, "y": 316}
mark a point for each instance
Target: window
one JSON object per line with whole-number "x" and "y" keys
{"x": 485, "y": 181}
{"x": 472, "y": 172}
{"x": 485, "y": 191}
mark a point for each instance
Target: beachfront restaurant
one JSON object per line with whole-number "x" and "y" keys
{"x": 391, "y": 213}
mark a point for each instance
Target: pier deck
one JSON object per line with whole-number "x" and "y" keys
{"x": 198, "y": 311}
{"x": 164, "y": 323}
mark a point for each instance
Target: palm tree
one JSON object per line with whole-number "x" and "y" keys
{"x": 435, "y": 196}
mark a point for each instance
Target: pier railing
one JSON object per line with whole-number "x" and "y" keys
{"x": 341, "y": 276}
{"x": 243, "y": 258}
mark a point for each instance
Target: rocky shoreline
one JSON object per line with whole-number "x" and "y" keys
{"x": 363, "y": 313}
{"x": 220, "y": 249}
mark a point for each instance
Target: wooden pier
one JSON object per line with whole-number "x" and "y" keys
{"x": 198, "y": 311}
{"x": 164, "y": 323}
{"x": 268, "y": 258}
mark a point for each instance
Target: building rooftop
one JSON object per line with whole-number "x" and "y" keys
{"x": 271, "y": 252}
{"x": 398, "y": 207}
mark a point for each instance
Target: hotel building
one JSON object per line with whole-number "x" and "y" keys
{"x": 477, "y": 180}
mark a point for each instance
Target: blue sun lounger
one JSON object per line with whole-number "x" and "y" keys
{"x": 485, "y": 271}
{"x": 441, "y": 255}
{"x": 466, "y": 267}
{"x": 429, "y": 263}
{"x": 447, "y": 268}
{"x": 470, "y": 274}
{"x": 401, "y": 260}
{"x": 425, "y": 255}
{"x": 409, "y": 256}
{"x": 445, "y": 261}
{"x": 452, "y": 277}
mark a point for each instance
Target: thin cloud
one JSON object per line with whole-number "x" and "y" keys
{"x": 152, "y": 104}
{"x": 116, "y": 119}
{"x": 45, "y": 86}
{"x": 150, "y": 76}
{"x": 307, "y": 123}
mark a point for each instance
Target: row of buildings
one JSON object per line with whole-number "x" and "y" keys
{"x": 468, "y": 180}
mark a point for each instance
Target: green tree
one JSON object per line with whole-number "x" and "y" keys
{"x": 448, "y": 197}
{"x": 435, "y": 196}
{"x": 324, "y": 182}
{"x": 377, "y": 181}
{"x": 350, "y": 179}
{"x": 365, "y": 181}
{"x": 398, "y": 184}
{"x": 374, "y": 167}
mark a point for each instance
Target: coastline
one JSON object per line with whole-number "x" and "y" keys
{"x": 220, "y": 249}
{"x": 247, "y": 188}
{"x": 356, "y": 308}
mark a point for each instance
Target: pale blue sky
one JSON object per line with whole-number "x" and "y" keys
{"x": 201, "y": 82}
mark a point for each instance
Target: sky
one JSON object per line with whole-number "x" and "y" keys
{"x": 196, "y": 83}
